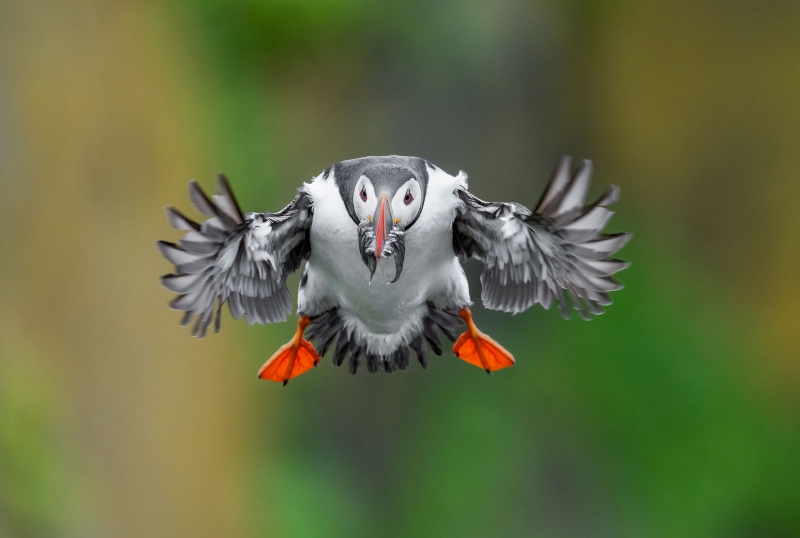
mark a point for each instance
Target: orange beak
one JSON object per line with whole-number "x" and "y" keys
{"x": 382, "y": 222}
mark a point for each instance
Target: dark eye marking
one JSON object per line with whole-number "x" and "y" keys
{"x": 408, "y": 198}
{"x": 364, "y": 193}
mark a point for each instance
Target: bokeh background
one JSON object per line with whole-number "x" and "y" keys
{"x": 677, "y": 413}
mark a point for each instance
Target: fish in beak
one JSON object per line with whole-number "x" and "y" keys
{"x": 382, "y": 223}
{"x": 382, "y": 238}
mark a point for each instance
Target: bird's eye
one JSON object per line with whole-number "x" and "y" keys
{"x": 364, "y": 193}
{"x": 408, "y": 197}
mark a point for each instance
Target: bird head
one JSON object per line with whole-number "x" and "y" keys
{"x": 385, "y": 205}
{"x": 385, "y": 196}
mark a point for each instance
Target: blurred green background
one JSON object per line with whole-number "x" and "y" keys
{"x": 676, "y": 414}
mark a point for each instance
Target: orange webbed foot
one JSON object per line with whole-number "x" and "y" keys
{"x": 480, "y": 349}
{"x": 295, "y": 358}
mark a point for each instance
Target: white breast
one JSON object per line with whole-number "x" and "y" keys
{"x": 383, "y": 314}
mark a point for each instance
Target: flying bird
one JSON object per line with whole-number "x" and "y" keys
{"x": 384, "y": 240}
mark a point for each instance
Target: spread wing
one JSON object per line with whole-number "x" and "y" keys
{"x": 534, "y": 257}
{"x": 239, "y": 259}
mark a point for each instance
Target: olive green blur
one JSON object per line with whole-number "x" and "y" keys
{"x": 675, "y": 414}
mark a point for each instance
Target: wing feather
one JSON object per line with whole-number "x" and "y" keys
{"x": 535, "y": 257}
{"x": 241, "y": 260}
{"x": 225, "y": 200}
{"x": 200, "y": 201}
{"x": 178, "y": 221}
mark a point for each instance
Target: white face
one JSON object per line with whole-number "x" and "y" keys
{"x": 364, "y": 198}
{"x": 405, "y": 203}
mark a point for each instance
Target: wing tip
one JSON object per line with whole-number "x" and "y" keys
{"x": 624, "y": 239}
{"x": 165, "y": 246}
{"x": 179, "y": 221}
{"x": 173, "y": 304}
{"x": 164, "y": 279}
{"x": 564, "y": 167}
{"x": 611, "y": 196}
{"x": 200, "y": 200}
{"x": 586, "y": 164}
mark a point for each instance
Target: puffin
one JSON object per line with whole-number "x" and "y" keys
{"x": 384, "y": 240}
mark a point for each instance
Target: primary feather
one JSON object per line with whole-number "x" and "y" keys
{"x": 535, "y": 256}
{"x": 241, "y": 260}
